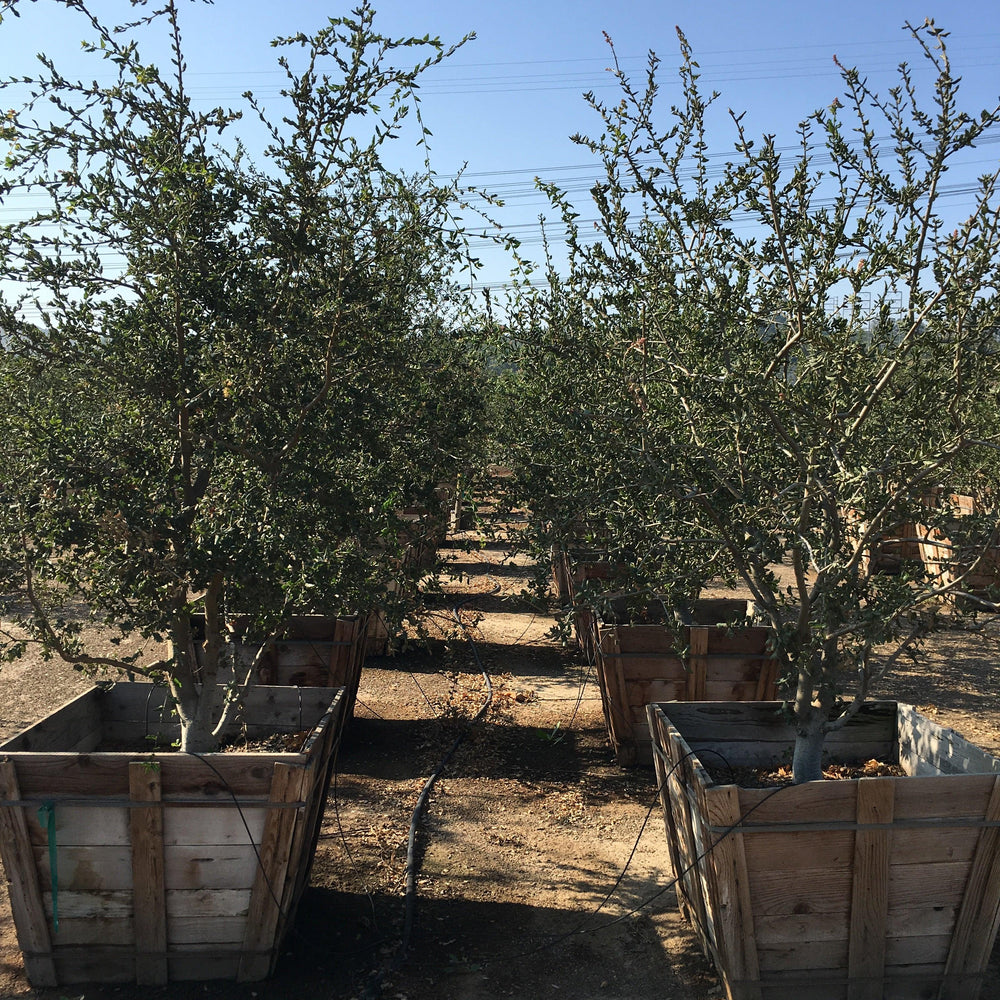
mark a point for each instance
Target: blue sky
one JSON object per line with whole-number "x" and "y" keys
{"x": 505, "y": 105}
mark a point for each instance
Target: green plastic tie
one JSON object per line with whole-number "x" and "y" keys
{"x": 47, "y": 817}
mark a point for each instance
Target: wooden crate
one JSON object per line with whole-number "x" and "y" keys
{"x": 833, "y": 890}
{"x": 583, "y": 568}
{"x": 152, "y": 866}
{"x": 638, "y": 664}
{"x": 314, "y": 651}
{"x": 947, "y": 555}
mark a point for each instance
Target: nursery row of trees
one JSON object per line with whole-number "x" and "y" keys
{"x": 224, "y": 380}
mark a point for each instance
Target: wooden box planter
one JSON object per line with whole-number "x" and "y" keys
{"x": 315, "y": 651}
{"x": 852, "y": 889}
{"x": 577, "y": 569}
{"x": 638, "y": 664}
{"x": 891, "y": 551}
{"x": 158, "y": 866}
{"x": 947, "y": 556}
{"x": 424, "y": 533}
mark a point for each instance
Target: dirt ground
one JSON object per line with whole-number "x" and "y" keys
{"x": 543, "y": 868}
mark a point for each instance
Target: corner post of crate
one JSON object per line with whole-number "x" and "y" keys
{"x": 148, "y": 885}
{"x": 664, "y": 765}
{"x": 256, "y": 956}
{"x": 22, "y": 877}
{"x": 870, "y": 889}
{"x": 619, "y": 720}
{"x": 729, "y": 892}
{"x": 979, "y": 916}
{"x": 697, "y": 662}
{"x": 767, "y": 678}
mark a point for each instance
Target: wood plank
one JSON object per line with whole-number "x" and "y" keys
{"x": 780, "y": 893}
{"x": 90, "y": 964}
{"x": 217, "y": 930}
{"x": 914, "y": 847}
{"x": 266, "y": 708}
{"x": 25, "y": 893}
{"x": 909, "y": 847}
{"x": 58, "y": 775}
{"x": 86, "y": 869}
{"x": 149, "y": 890}
{"x": 813, "y": 956}
{"x": 114, "y": 931}
{"x": 959, "y": 797}
{"x": 792, "y": 928}
{"x": 268, "y": 889}
{"x": 617, "y": 715}
{"x": 870, "y": 889}
{"x": 697, "y": 663}
{"x": 95, "y": 906}
{"x": 927, "y": 921}
{"x": 931, "y": 748}
{"x": 189, "y": 867}
{"x": 730, "y": 893}
{"x": 193, "y": 826}
{"x": 979, "y": 916}
{"x": 185, "y": 967}
{"x": 801, "y": 850}
{"x": 904, "y": 952}
{"x": 184, "y": 904}
{"x": 83, "y": 826}
{"x": 750, "y": 722}
{"x": 908, "y": 884}
{"x": 71, "y": 726}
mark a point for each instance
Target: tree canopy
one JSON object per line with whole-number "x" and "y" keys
{"x": 224, "y": 376}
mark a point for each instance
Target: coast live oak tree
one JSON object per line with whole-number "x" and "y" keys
{"x": 792, "y": 351}
{"x": 222, "y": 380}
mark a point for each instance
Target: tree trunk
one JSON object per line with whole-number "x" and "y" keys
{"x": 807, "y": 761}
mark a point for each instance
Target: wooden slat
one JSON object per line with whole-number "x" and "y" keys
{"x": 268, "y": 889}
{"x": 929, "y": 748}
{"x": 193, "y": 965}
{"x": 760, "y": 722}
{"x": 697, "y": 664}
{"x": 149, "y": 891}
{"x": 183, "y": 904}
{"x": 83, "y": 869}
{"x": 25, "y": 892}
{"x": 199, "y": 866}
{"x": 104, "y": 931}
{"x": 979, "y": 916}
{"x": 198, "y": 930}
{"x": 193, "y": 826}
{"x": 870, "y": 890}
{"x": 90, "y": 964}
{"x": 617, "y": 715}
{"x": 57, "y": 775}
{"x": 730, "y": 892}
{"x": 73, "y": 726}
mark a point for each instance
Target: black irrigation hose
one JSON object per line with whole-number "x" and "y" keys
{"x": 375, "y": 987}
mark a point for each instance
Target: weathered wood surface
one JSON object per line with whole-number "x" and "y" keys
{"x": 148, "y": 882}
{"x": 172, "y": 854}
{"x": 876, "y": 887}
{"x": 639, "y": 665}
{"x": 928, "y": 748}
{"x": 947, "y": 557}
{"x": 33, "y": 929}
{"x": 75, "y": 726}
{"x": 314, "y": 651}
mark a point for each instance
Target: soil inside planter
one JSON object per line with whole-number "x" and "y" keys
{"x": 275, "y": 743}
{"x": 763, "y": 777}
